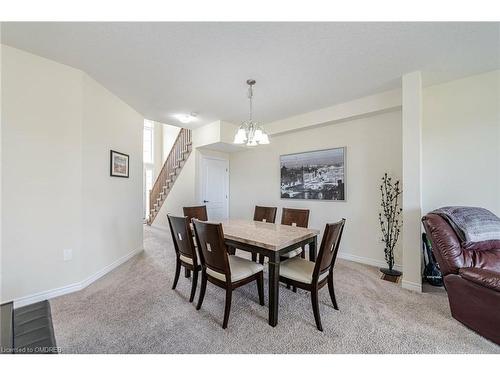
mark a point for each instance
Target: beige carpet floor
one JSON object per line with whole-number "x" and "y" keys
{"x": 134, "y": 310}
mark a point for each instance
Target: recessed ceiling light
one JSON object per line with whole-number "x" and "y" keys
{"x": 186, "y": 118}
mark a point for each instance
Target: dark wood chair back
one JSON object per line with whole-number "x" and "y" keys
{"x": 295, "y": 216}
{"x": 329, "y": 248}
{"x": 182, "y": 237}
{"x": 196, "y": 212}
{"x": 267, "y": 214}
{"x": 211, "y": 246}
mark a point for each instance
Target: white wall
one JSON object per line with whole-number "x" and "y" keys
{"x": 42, "y": 174}
{"x": 461, "y": 143}
{"x": 208, "y": 134}
{"x": 169, "y": 135}
{"x": 58, "y": 127}
{"x": 112, "y": 206}
{"x": 157, "y": 149}
{"x": 368, "y": 105}
{"x": 373, "y": 146}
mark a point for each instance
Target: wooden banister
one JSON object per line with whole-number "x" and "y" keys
{"x": 179, "y": 152}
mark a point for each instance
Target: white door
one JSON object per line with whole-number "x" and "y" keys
{"x": 215, "y": 187}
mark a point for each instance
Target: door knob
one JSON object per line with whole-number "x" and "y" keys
{"x": 204, "y": 201}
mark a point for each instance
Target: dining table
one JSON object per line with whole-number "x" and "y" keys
{"x": 271, "y": 241}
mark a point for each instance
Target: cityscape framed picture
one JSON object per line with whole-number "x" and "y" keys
{"x": 316, "y": 175}
{"x": 118, "y": 164}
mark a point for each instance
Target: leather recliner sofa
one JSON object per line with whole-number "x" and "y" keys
{"x": 471, "y": 274}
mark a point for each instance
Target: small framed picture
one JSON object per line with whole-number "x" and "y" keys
{"x": 118, "y": 164}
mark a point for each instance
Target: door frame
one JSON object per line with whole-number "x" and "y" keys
{"x": 202, "y": 158}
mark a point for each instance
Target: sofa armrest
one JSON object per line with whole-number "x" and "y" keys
{"x": 445, "y": 244}
{"x": 488, "y": 279}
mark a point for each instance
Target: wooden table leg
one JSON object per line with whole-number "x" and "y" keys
{"x": 312, "y": 249}
{"x": 274, "y": 277}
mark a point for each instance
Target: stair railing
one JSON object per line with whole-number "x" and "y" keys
{"x": 168, "y": 170}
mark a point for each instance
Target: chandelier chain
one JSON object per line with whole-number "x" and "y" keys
{"x": 249, "y": 131}
{"x": 250, "y": 97}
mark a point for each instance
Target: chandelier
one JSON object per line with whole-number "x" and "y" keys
{"x": 250, "y": 132}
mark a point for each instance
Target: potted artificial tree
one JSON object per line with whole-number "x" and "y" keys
{"x": 390, "y": 223}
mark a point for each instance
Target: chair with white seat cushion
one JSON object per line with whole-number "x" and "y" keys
{"x": 195, "y": 212}
{"x": 226, "y": 271}
{"x": 300, "y": 270}
{"x": 312, "y": 276}
{"x": 240, "y": 269}
{"x": 298, "y": 218}
{"x": 295, "y": 217}
{"x": 266, "y": 215}
{"x": 186, "y": 254}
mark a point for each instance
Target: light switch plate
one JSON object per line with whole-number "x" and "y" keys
{"x": 67, "y": 254}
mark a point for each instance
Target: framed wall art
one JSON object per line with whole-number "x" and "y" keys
{"x": 316, "y": 175}
{"x": 118, "y": 164}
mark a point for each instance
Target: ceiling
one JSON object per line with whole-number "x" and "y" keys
{"x": 162, "y": 69}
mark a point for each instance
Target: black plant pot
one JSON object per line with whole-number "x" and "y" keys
{"x": 387, "y": 271}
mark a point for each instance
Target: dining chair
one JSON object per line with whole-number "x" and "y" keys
{"x": 312, "y": 276}
{"x": 186, "y": 254}
{"x": 265, "y": 214}
{"x": 298, "y": 218}
{"x": 221, "y": 269}
{"x": 295, "y": 217}
{"x": 197, "y": 212}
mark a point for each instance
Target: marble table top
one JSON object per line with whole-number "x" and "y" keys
{"x": 267, "y": 235}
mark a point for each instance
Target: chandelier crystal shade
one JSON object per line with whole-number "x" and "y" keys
{"x": 250, "y": 132}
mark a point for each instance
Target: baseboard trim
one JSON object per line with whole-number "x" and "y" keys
{"x": 89, "y": 280}
{"x": 410, "y": 285}
{"x": 368, "y": 261}
{"x": 48, "y": 294}
{"x": 75, "y": 287}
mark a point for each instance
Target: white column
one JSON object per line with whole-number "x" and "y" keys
{"x": 412, "y": 196}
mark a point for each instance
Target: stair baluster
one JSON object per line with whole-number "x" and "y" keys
{"x": 171, "y": 168}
